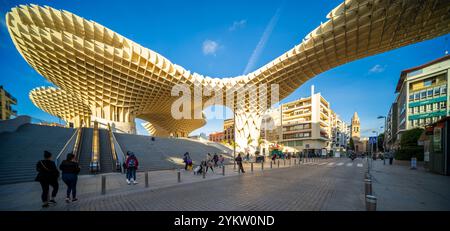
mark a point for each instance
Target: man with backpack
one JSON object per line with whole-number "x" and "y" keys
{"x": 131, "y": 166}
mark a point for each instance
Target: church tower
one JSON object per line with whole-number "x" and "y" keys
{"x": 355, "y": 127}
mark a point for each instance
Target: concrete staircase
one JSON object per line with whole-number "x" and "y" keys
{"x": 164, "y": 153}
{"x": 22, "y": 149}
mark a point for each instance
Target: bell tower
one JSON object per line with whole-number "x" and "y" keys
{"x": 355, "y": 127}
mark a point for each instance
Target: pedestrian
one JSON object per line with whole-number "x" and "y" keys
{"x": 391, "y": 158}
{"x": 274, "y": 156}
{"x": 70, "y": 169}
{"x": 209, "y": 162}
{"x": 187, "y": 160}
{"x": 47, "y": 176}
{"x": 216, "y": 159}
{"x": 221, "y": 161}
{"x": 248, "y": 157}
{"x": 132, "y": 166}
{"x": 239, "y": 163}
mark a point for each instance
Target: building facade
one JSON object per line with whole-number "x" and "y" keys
{"x": 422, "y": 98}
{"x": 307, "y": 125}
{"x": 228, "y": 130}
{"x": 216, "y": 137}
{"x": 6, "y": 102}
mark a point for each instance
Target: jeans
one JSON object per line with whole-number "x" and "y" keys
{"x": 70, "y": 179}
{"x": 131, "y": 172}
{"x": 45, "y": 185}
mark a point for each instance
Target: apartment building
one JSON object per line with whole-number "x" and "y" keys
{"x": 228, "y": 130}
{"x": 422, "y": 97}
{"x": 216, "y": 137}
{"x": 6, "y": 101}
{"x": 309, "y": 124}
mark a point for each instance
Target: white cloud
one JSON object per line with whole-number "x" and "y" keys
{"x": 238, "y": 25}
{"x": 210, "y": 47}
{"x": 262, "y": 42}
{"x": 377, "y": 69}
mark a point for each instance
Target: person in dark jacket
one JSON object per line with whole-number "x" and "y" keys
{"x": 70, "y": 169}
{"x": 47, "y": 176}
{"x": 239, "y": 163}
{"x": 132, "y": 166}
{"x": 216, "y": 159}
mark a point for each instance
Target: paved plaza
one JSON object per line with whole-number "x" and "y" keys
{"x": 325, "y": 184}
{"x": 398, "y": 188}
{"x": 333, "y": 184}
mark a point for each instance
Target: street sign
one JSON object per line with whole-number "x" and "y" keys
{"x": 373, "y": 140}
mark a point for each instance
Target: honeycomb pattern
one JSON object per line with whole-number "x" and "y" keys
{"x": 120, "y": 80}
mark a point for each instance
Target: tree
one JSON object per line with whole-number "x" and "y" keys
{"x": 410, "y": 137}
{"x": 408, "y": 145}
{"x": 351, "y": 144}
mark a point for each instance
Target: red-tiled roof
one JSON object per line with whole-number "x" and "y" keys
{"x": 405, "y": 72}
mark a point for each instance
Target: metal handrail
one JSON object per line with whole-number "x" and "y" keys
{"x": 76, "y": 147}
{"x": 115, "y": 163}
{"x": 119, "y": 152}
{"x": 65, "y": 146}
{"x": 95, "y": 165}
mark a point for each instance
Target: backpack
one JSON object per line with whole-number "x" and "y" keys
{"x": 131, "y": 163}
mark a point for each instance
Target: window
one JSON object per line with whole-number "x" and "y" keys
{"x": 417, "y": 96}
{"x": 423, "y": 94}
{"x": 427, "y": 83}
{"x": 428, "y": 120}
{"x": 411, "y": 110}
{"x": 430, "y": 93}
{"x": 443, "y": 105}
{"x": 428, "y": 108}
{"x": 436, "y": 91}
{"x": 436, "y": 106}
{"x": 443, "y": 90}
{"x": 411, "y": 97}
{"x": 422, "y": 108}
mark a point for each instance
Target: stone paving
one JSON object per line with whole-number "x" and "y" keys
{"x": 398, "y": 188}
{"x": 327, "y": 184}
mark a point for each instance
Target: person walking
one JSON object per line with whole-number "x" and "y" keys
{"x": 216, "y": 159}
{"x": 221, "y": 161}
{"x": 70, "y": 169}
{"x": 132, "y": 164}
{"x": 187, "y": 160}
{"x": 239, "y": 163}
{"x": 391, "y": 157}
{"x": 209, "y": 162}
{"x": 47, "y": 176}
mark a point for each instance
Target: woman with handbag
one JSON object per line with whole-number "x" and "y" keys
{"x": 47, "y": 176}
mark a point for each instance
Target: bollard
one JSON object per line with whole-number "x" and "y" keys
{"x": 204, "y": 173}
{"x": 146, "y": 179}
{"x": 290, "y": 161}
{"x": 368, "y": 186}
{"x": 103, "y": 185}
{"x": 179, "y": 176}
{"x": 278, "y": 163}
{"x": 295, "y": 161}
{"x": 271, "y": 162}
{"x": 371, "y": 203}
{"x": 223, "y": 170}
{"x": 262, "y": 166}
{"x": 251, "y": 166}
{"x": 284, "y": 162}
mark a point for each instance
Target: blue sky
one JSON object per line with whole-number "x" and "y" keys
{"x": 228, "y": 38}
